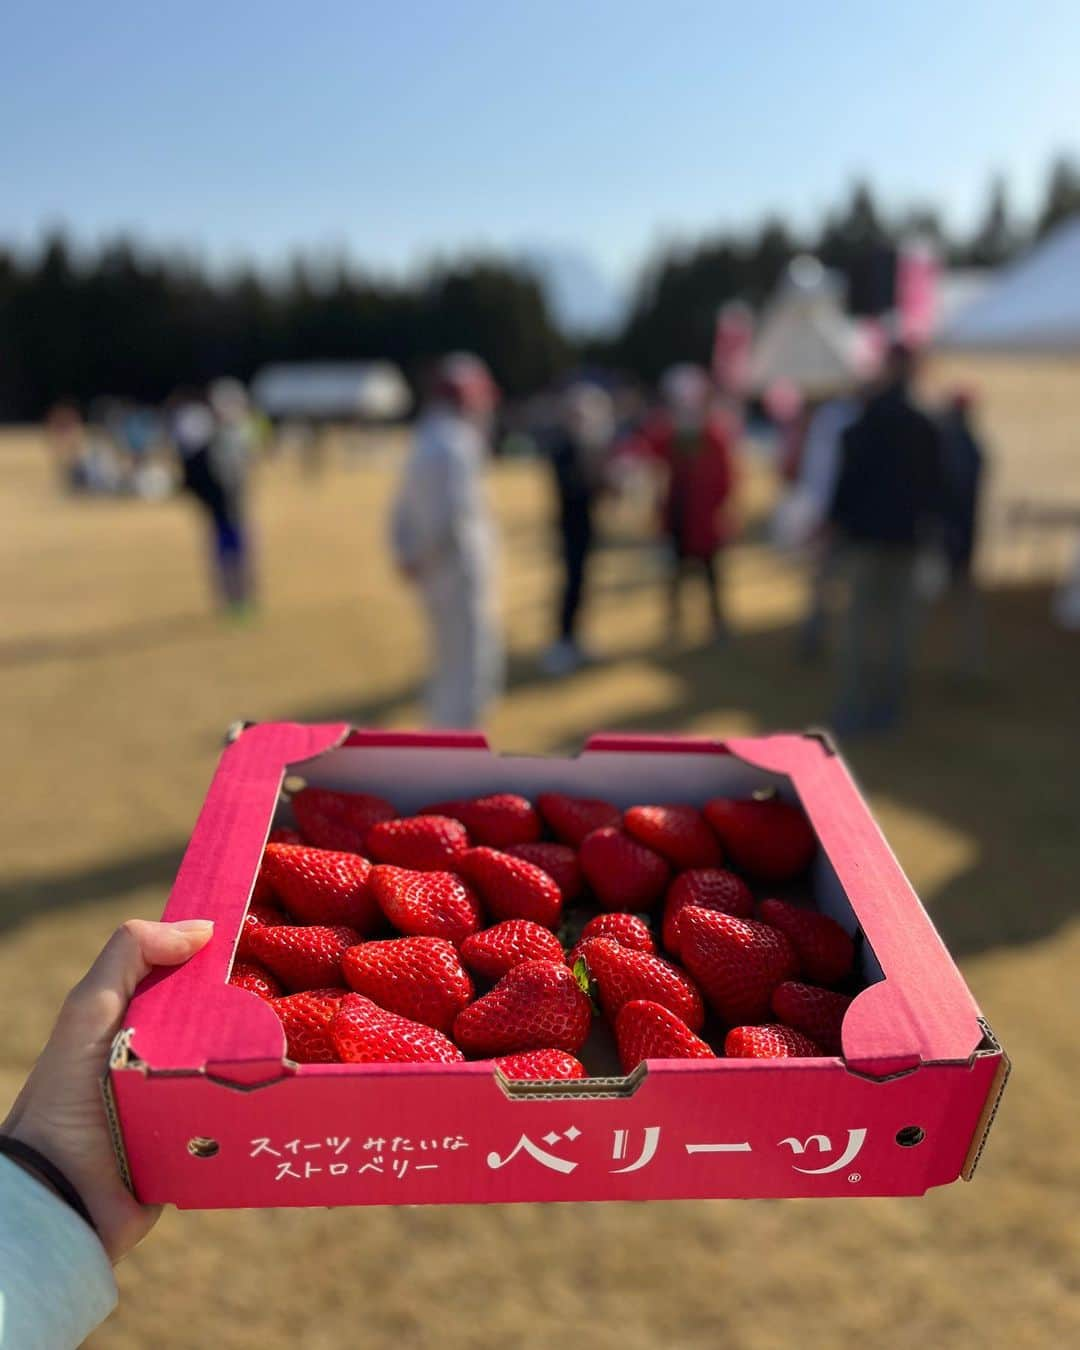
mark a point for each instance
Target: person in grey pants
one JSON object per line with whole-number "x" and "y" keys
{"x": 443, "y": 539}
{"x": 886, "y": 507}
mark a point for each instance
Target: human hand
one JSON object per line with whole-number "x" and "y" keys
{"x": 60, "y": 1111}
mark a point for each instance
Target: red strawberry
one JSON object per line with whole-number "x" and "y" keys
{"x": 306, "y": 1018}
{"x": 623, "y": 975}
{"x": 257, "y": 916}
{"x": 421, "y": 843}
{"x": 647, "y": 1030}
{"x": 737, "y": 962}
{"x": 622, "y": 873}
{"x": 247, "y": 975}
{"x": 427, "y": 904}
{"x": 535, "y": 1006}
{"x": 339, "y": 820}
{"x": 282, "y": 834}
{"x": 709, "y": 888}
{"x": 817, "y": 1013}
{"x": 677, "y": 833}
{"x": 364, "y": 1033}
{"x": 770, "y": 1041}
{"x": 512, "y": 888}
{"x": 559, "y": 861}
{"x": 542, "y": 1064}
{"x": 304, "y": 958}
{"x": 322, "y": 886}
{"x": 826, "y": 953}
{"x": 770, "y": 839}
{"x": 498, "y": 821}
{"x": 418, "y": 977}
{"x": 570, "y": 819}
{"x": 626, "y": 929}
{"x": 262, "y": 893}
{"x": 491, "y": 953}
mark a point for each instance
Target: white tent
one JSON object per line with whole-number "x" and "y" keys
{"x": 332, "y": 391}
{"x": 804, "y": 335}
{"x": 1033, "y": 307}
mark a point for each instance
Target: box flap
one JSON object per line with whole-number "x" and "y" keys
{"x": 214, "y": 882}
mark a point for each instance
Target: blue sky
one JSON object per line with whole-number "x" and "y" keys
{"x": 399, "y": 130}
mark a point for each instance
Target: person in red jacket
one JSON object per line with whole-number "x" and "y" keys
{"x": 695, "y": 444}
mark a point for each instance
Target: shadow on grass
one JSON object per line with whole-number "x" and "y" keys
{"x": 146, "y": 634}
{"x": 995, "y": 762}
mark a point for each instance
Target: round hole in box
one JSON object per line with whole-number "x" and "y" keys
{"x": 910, "y": 1135}
{"x": 293, "y": 784}
{"x": 202, "y": 1148}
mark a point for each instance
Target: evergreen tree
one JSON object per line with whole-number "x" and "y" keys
{"x": 1062, "y": 195}
{"x": 994, "y": 240}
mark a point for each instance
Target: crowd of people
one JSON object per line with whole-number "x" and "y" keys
{"x": 883, "y": 501}
{"x": 201, "y": 441}
{"x": 881, "y": 505}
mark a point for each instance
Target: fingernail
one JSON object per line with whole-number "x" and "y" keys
{"x": 194, "y": 926}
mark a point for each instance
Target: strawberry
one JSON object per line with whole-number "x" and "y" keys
{"x": 542, "y": 1064}
{"x": 771, "y": 1041}
{"x": 817, "y": 1013}
{"x": 535, "y": 1006}
{"x": 247, "y": 975}
{"x": 709, "y": 888}
{"x": 628, "y": 930}
{"x": 303, "y": 958}
{"x": 771, "y": 839}
{"x": 322, "y": 886}
{"x": 677, "y": 833}
{"x": 257, "y": 916}
{"x": 623, "y": 874}
{"x": 339, "y": 820}
{"x": 559, "y": 861}
{"x": 570, "y": 819}
{"x": 262, "y": 893}
{"x": 282, "y": 834}
{"x": 420, "y": 843}
{"x": 306, "y": 1018}
{"x": 497, "y": 821}
{"x": 491, "y": 953}
{"x": 826, "y": 953}
{"x": 647, "y": 1030}
{"x": 623, "y": 975}
{"x": 417, "y": 977}
{"x": 364, "y": 1033}
{"x": 427, "y": 904}
{"x": 512, "y": 888}
{"x": 737, "y": 962}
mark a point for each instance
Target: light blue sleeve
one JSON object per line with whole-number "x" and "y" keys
{"x": 56, "y": 1283}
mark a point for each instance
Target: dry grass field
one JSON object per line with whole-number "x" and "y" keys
{"x": 117, "y": 685}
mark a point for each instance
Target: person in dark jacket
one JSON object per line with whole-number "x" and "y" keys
{"x": 194, "y": 431}
{"x": 578, "y": 454}
{"x": 963, "y": 463}
{"x": 886, "y": 509}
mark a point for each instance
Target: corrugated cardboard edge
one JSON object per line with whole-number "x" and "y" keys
{"x": 120, "y": 1057}
{"x": 574, "y": 1089}
{"x": 990, "y": 1108}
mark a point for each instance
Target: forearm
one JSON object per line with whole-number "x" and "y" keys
{"x": 56, "y": 1283}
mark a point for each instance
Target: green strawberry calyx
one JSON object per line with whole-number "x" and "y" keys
{"x": 585, "y": 981}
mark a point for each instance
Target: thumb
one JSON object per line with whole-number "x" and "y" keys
{"x": 95, "y": 1006}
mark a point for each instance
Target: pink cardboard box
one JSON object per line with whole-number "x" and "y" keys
{"x": 207, "y": 1111}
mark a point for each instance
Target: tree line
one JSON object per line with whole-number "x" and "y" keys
{"x": 128, "y": 321}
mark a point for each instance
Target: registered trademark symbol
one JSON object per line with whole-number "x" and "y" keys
{"x": 854, "y": 1176}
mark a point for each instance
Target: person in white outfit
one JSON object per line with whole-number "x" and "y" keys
{"x": 444, "y": 541}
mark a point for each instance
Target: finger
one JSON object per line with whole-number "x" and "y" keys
{"x": 98, "y": 1001}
